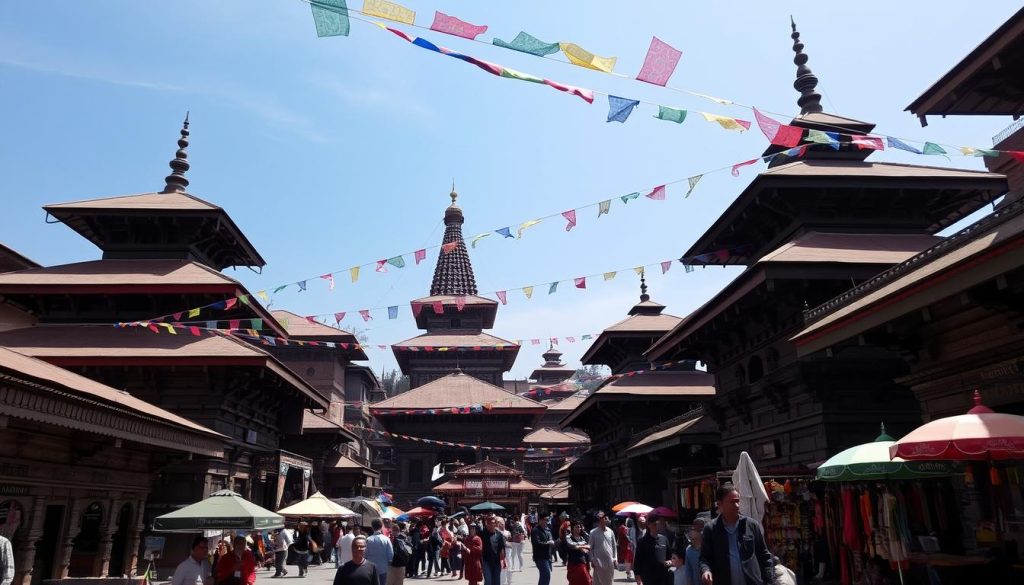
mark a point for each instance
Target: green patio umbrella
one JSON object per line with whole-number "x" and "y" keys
{"x": 223, "y": 510}
{"x": 487, "y": 507}
{"x": 871, "y": 461}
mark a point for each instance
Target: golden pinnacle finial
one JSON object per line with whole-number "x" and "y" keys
{"x": 453, "y": 194}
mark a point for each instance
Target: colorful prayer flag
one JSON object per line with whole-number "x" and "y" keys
{"x": 420, "y": 255}
{"x": 726, "y": 122}
{"x": 330, "y": 18}
{"x": 665, "y": 266}
{"x": 932, "y": 148}
{"x": 454, "y": 26}
{"x": 510, "y": 73}
{"x": 687, "y": 268}
{"x": 627, "y": 198}
{"x": 527, "y": 43}
{"x": 302, "y": 285}
{"x": 657, "y": 194}
{"x": 280, "y": 288}
{"x": 416, "y": 309}
{"x": 619, "y": 108}
{"x": 867, "y": 142}
{"x": 571, "y": 339}
{"x": 987, "y": 153}
{"x": 502, "y": 296}
{"x": 460, "y": 302}
{"x": 194, "y": 330}
{"x": 713, "y": 98}
{"x": 897, "y": 143}
{"x": 244, "y": 299}
{"x": 639, "y": 270}
{"x": 330, "y": 280}
{"x": 354, "y": 273}
{"x": 671, "y": 114}
{"x": 256, "y": 323}
{"x": 263, "y": 296}
{"x": 736, "y": 167}
{"x": 603, "y": 207}
{"x": 580, "y": 282}
{"x": 382, "y": 266}
{"x": 553, "y": 288}
{"x": 365, "y": 314}
{"x": 660, "y": 62}
{"x": 586, "y": 337}
{"x": 525, "y": 225}
{"x": 397, "y": 262}
{"x": 169, "y": 328}
{"x": 393, "y": 312}
{"x": 438, "y": 307}
{"x": 570, "y": 218}
{"x": 193, "y": 313}
{"x": 528, "y": 291}
{"x": 338, "y": 317}
{"x": 310, "y": 318}
{"x": 230, "y": 303}
{"x": 609, "y": 275}
{"x": 692, "y": 182}
{"x": 389, "y": 10}
{"x": 1017, "y": 155}
{"x": 477, "y": 238}
{"x": 534, "y": 342}
{"x": 507, "y": 232}
{"x": 585, "y": 94}
{"x": 234, "y": 324}
{"x": 778, "y": 133}
{"x": 579, "y": 56}
{"x": 820, "y": 137}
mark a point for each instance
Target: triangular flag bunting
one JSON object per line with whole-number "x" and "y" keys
{"x": 523, "y": 226}
{"x": 393, "y": 312}
{"x": 330, "y": 280}
{"x": 619, "y": 108}
{"x": 628, "y": 198}
{"x": 528, "y": 291}
{"x": 338, "y": 317}
{"x": 354, "y": 273}
{"x": 502, "y": 296}
{"x": 419, "y": 255}
{"x": 736, "y": 167}
{"x": 263, "y": 296}
{"x": 397, "y": 262}
{"x": 603, "y": 207}
{"x": 609, "y": 275}
{"x": 932, "y": 148}
{"x": 671, "y": 114}
{"x": 302, "y": 285}
{"x": 580, "y": 282}
{"x": 553, "y": 287}
{"x": 726, "y": 122}
{"x": 570, "y": 217}
{"x": 665, "y": 266}
{"x": 657, "y": 194}
{"x": 507, "y": 232}
{"x": 692, "y": 182}
{"x": 477, "y": 238}
{"x": 365, "y": 314}
{"x": 897, "y": 143}
{"x": 382, "y": 266}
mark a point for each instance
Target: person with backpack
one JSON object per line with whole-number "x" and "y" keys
{"x": 399, "y": 566}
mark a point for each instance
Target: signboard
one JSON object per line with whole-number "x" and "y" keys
{"x": 154, "y": 547}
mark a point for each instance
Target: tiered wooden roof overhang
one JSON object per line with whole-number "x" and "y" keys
{"x": 455, "y": 391}
{"x": 647, "y": 389}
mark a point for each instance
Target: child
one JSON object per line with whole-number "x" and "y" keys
{"x": 678, "y": 570}
{"x": 692, "y": 560}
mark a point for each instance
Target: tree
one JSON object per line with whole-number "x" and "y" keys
{"x": 590, "y": 377}
{"x": 395, "y": 383}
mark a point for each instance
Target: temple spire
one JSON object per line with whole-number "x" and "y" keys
{"x": 644, "y": 297}
{"x": 453, "y": 274}
{"x": 806, "y": 81}
{"x": 176, "y": 181}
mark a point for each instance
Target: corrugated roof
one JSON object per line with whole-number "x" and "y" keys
{"x": 457, "y": 390}
{"x": 548, "y": 436}
{"x": 859, "y": 248}
{"x": 167, "y": 201}
{"x": 119, "y": 272}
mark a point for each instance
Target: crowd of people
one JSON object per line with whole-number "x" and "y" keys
{"x": 727, "y": 550}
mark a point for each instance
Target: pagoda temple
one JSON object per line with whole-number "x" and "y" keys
{"x": 807, "y": 229}
{"x": 456, "y": 371}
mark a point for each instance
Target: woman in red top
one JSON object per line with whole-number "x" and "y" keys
{"x": 238, "y": 567}
{"x": 472, "y": 556}
{"x": 623, "y": 554}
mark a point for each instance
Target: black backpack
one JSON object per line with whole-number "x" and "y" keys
{"x": 403, "y": 552}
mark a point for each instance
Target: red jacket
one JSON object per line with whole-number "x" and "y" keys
{"x": 229, "y": 563}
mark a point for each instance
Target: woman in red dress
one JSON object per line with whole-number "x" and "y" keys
{"x": 578, "y": 555}
{"x": 472, "y": 556}
{"x": 622, "y": 540}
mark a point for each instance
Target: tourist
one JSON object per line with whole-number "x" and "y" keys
{"x": 691, "y": 560}
{"x": 494, "y": 551}
{"x": 327, "y": 546}
{"x": 653, "y": 560}
{"x": 563, "y": 533}
{"x": 316, "y": 542}
{"x": 733, "y": 550}
{"x": 542, "y": 544}
{"x": 506, "y": 571}
{"x": 455, "y": 554}
{"x": 358, "y": 570}
{"x": 223, "y": 548}
{"x": 578, "y": 555}
{"x": 446, "y": 548}
{"x": 195, "y": 570}
{"x": 336, "y": 532}
{"x": 379, "y": 550}
{"x": 472, "y": 553}
{"x": 625, "y": 550}
{"x": 416, "y": 541}
{"x": 518, "y": 532}
{"x": 434, "y": 542}
{"x": 301, "y": 547}
{"x": 602, "y": 551}
{"x": 678, "y": 568}
{"x": 345, "y": 545}
{"x": 238, "y": 567}
{"x": 282, "y": 540}
{"x": 424, "y": 555}
{"x": 402, "y": 553}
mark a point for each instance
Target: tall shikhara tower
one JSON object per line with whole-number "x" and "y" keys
{"x": 454, "y": 318}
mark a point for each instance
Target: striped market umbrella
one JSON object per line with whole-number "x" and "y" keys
{"x": 870, "y": 461}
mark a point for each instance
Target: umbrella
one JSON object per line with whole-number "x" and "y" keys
{"x": 319, "y": 506}
{"x": 870, "y": 461}
{"x": 419, "y": 512}
{"x": 622, "y": 505}
{"x": 430, "y": 502}
{"x": 487, "y": 507}
{"x": 663, "y": 512}
{"x": 223, "y": 510}
{"x": 750, "y": 487}
{"x": 981, "y": 434}
{"x": 634, "y": 509}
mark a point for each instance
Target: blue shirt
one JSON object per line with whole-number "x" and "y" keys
{"x": 379, "y": 552}
{"x": 692, "y": 565}
{"x": 735, "y": 566}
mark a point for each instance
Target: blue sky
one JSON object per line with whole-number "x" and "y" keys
{"x": 339, "y": 151}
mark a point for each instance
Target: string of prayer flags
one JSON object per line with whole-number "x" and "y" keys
{"x": 193, "y": 313}
{"x": 397, "y": 262}
{"x": 577, "y": 55}
{"x": 631, "y": 196}
{"x": 713, "y": 98}
{"x": 389, "y": 11}
{"x": 338, "y": 318}
{"x": 570, "y": 218}
{"x": 619, "y": 108}
{"x": 382, "y": 266}
{"x": 867, "y": 142}
{"x": 477, "y": 238}
{"x": 639, "y": 270}
{"x": 583, "y": 93}
{"x": 330, "y": 22}
{"x": 727, "y": 122}
{"x": 553, "y": 288}
{"x": 507, "y": 232}
{"x": 393, "y": 312}
{"x": 983, "y": 152}
{"x": 603, "y": 207}
{"x": 778, "y": 133}
{"x": 524, "y": 226}
{"x": 671, "y": 114}
{"x": 330, "y": 280}
{"x": 365, "y": 314}
{"x": 263, "y": 296}
{"x": 819, "y": 137}
{"x": 438, "y": 307}
{"x": 692, "y": 182}
{"x": 302, "y": 285}
{"x": 230, "y": 303}
{"x": 665, "y": 266}
{"x": 1017, "y": 155}
{"x": 449, "y": 246}
{"x": 660, "y": 63}
{"x": 580, "y": 282}
{"x": 527, "y": 43}
{"x": 460, "y": 302}
{"x": 687, "y": 268}
{"x": 454, "y": 26}
{"x": 354, "y": 273}
{"x": 657, "y": 194}
{"x": 932, "y": 148}
{"x": 502, "y": 296}
{"x": 310, "y": 318}
{"x": 609, "y": 275}
{"x": 528, "y": 291}
{"x": 420, "y": 255}
{"x": 897, "y": 143}
{"x": 796, "y": 151}
{"x": 736, "y": 167}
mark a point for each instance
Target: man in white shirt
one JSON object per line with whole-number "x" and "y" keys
{"x": 6, "y": 561}
{"x": 282, "y": 540}
{"x": 195, "y": 570}
{"x": 602, "y": 551}
{"x": 345, "y": 545}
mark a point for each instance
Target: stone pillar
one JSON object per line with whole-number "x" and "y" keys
{"x": 131, "y": 550}
{"x": 25, "y": 539}
{"x": 101, "y": 564}
{"x": 71, "y": 528}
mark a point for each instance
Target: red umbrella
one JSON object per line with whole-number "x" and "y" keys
{"x": 419, "y": 512}
{"x": 981, "y": 434}
{"x": 663, "y": 512}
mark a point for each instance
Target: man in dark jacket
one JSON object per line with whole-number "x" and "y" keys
{"x": 653, "y": 557}
{"x": 733, "y": 551}
{"x": 543, "y": 544}
{"x": 494, "y": 551}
